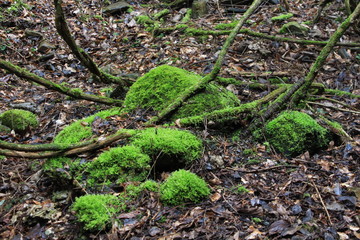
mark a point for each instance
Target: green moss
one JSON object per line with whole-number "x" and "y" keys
{"x": 4, "y": 129}
{"x": 134, "y": 191}
{"x": 183, "y": 186}
{"x": 159, "y": 87}
{"x": 169, "y": 144}
{"x": 19, "y": 120}
{"x": 121, "y": 164}
{"x": 293, "y": 133}
{"x": 96, "y": 211}
{"x": 62, "y": 170}
{"x": 240, "y": 189}
{"x": 282, "y": 17}
{"x": 81, "y": 129}
{"x": 225, "y": 26}
{"x": 143, "y": 19}
{"x": 294, "y": 28}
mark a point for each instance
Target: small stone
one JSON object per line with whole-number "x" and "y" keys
{"x": 217, "y": 161}
{"x": 116, "y": 7}
{"x": 154, "y": 231}
{"x": 296, "y": 209}
{"x": 45, "y": 46}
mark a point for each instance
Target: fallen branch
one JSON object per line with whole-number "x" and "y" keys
{"x": 81, "y": 54}
{"x": 199, "y": 32}
{"x": 99, "y": 143}
{"x": 75, "y": 93}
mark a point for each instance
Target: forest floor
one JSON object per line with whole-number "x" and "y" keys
{"x": 311, "y": 196}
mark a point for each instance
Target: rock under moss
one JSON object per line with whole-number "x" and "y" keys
{"x": 19, "y": 120}
{"x": 294, "y": 28}
{"x": 96, "y": 211}
{"x": 293, "y": 133}
{"x": 170, "y": 148}
{"x": 119, "y": 165}
{"x": 183, "y": 186}
{"x": 160, "y": 86}
{"x": 81, "y": 129}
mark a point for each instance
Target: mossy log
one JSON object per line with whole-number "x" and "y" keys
{"x": 31, "y": 151}
{"x": 199, "y": 32}
{"x": 213, "y": 74}
{"x": 75, "y": 93}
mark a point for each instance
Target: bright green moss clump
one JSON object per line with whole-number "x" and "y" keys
{"x": 282, "y": 17}
{"x": 183, "y": 186}
{"x": 160, "y": 86}
{"x": 19, "y": 120}
{"x": 293, "y": 133}
{"x": 81, "y": 129}
{"x": 121, "y": 164}
{"x": 96, "y": 211}
{"x": 171, "y": 144}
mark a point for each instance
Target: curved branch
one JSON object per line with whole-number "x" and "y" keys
{"x": 84, "y": 57}
{"x": 75, "y": 93}
{"x": 99, "y": 143}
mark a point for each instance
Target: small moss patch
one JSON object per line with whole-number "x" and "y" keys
{"x": 168, "y": 147}
{"x": 282, "y": 17}
{"x": 294, "y": 28}
{"x": 160, "y": 86}
{"x": 293, "y": 133}
{"x": 183, "y": 186}
{"x": 96, "y": 211}
{"x": 81, "y": 129}
{"x": 19, "y": 120}
{"x": 120, "y": 164}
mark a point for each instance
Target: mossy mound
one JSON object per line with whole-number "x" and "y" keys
{"x": 293, "y": 133}
{"x": 294, "y": 28}
{"x": 183, "y": 186}
{"x": 120, "y": 164}
{"x": 160, "y": 86}
{"x": 63, "y": 170}
{"x": 19, "y": 120}
{"x": 81, "y": 129}
{"x": 96, "y": 211}
{"x": 170, "y": 148}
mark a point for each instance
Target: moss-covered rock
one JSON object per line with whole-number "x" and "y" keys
{"x": 120, "y": 164}
{"x": 19, "y": 120}
{"x": 183, "y": 186}
{"x": 160, "y": 86}
{"x": 81, "y": 129}
{"x": 293, "y": 133}
{"x": 294, "y": 28}
{"x": 62, "y": 170}
{"x": 4, "y": 129}
{"x": 170, "y": 148}
{"x": 96, "y": 211}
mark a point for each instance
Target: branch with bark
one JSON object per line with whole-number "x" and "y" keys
{"x": 75, "y": 93}
{"x": 53, "y": 150}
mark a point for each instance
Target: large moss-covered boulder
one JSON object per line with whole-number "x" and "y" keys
{"x": 19, "y": 120}
{"x": 160, "y": 86}
{"x": 169, "y": 148}
{"x": 293, "y": 133}
{"x": 119, "y": 165}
